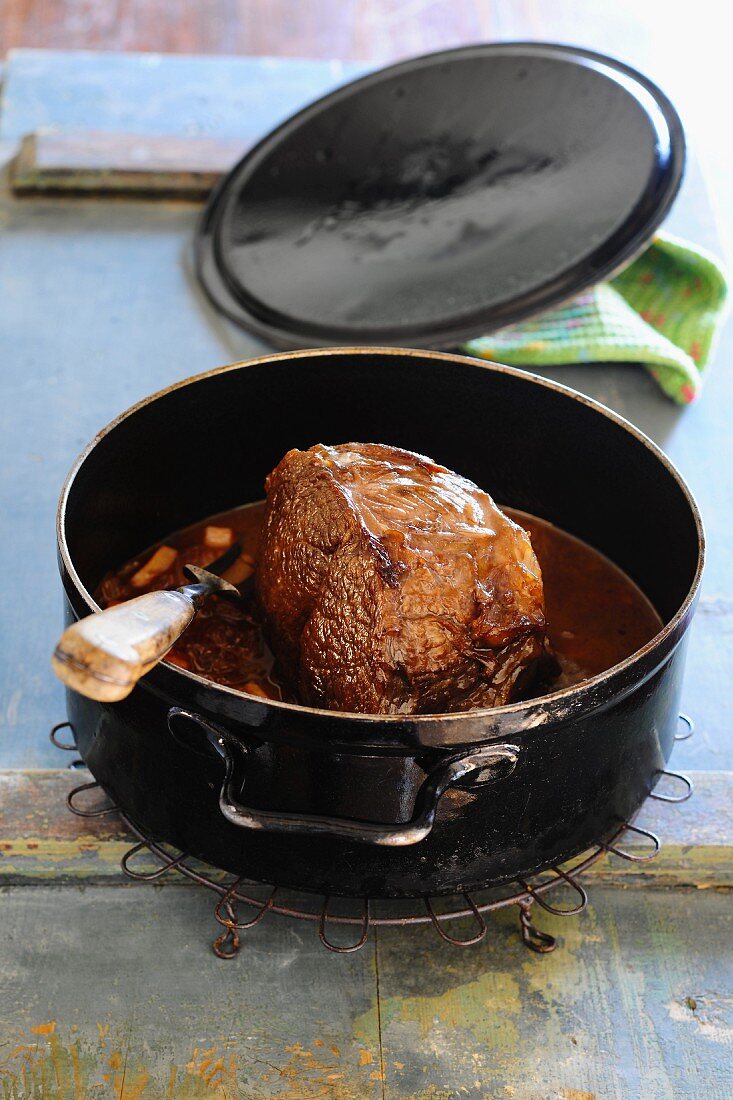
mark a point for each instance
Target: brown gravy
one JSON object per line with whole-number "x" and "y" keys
{"x": 596, "y": 615}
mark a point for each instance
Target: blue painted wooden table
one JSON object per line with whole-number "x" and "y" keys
{"x": 110, "y": 990}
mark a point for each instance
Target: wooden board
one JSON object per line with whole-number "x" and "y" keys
{"x": 112, "y": 992}
{"x": 637, "y": 1003}
{"x": 95, "y": 163}
{"x": 42, "y": 841}
{"x": 116, "y": 994}
{"x": 146, "y": 127}
{"x": 241, "y": 98}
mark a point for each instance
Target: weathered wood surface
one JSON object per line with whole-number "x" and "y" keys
{"x": 113, "y": 992}
{"x": 41, "y": 841}
{"x": 92, "y": 163}
{"x": 227, "y": 98}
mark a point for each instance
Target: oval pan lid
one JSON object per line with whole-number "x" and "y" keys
{"x": 441, "y": 198}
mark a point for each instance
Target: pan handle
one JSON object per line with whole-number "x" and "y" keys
{"x": 484, "y": 765}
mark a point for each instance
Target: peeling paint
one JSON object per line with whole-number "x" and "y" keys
{"x": 38, "y": 858}
{"x": 307, "y": 1077}
{"x": 711, "y": 1013}
{"x": 215, "y": 1069}
{"x": 487, "y": 1007}
{"x": 54, "y": 1068}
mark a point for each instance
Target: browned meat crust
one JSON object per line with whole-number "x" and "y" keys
{"x": 390, "y": 584}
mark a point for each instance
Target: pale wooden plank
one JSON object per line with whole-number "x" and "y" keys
{"x": 637, "y": 1001}
{"x": 115, "y": 993}
{"x": 219, "y": 97}
{"x": 98, "y": 162}
{"x": 41, "y": 841}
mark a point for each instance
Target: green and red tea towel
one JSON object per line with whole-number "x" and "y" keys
{"x": 664, "y": 310}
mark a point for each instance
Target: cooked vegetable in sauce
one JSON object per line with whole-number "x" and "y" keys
{"x": 596, "y": 616}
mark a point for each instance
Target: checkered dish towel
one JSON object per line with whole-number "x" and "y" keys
{"x": 664, "y": 310}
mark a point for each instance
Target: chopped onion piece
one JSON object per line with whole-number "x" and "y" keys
{"x": 253, "y": 688}
{"x": 161, "y": 562}
{"x": 239, "y": 571}
{"x": 219, "y": 538}
{"x": 178, "y": 659}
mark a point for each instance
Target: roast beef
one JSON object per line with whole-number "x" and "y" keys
{"x": 389, "y": 584}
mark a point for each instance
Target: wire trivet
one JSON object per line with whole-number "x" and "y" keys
{"x": 375, "y": 913}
